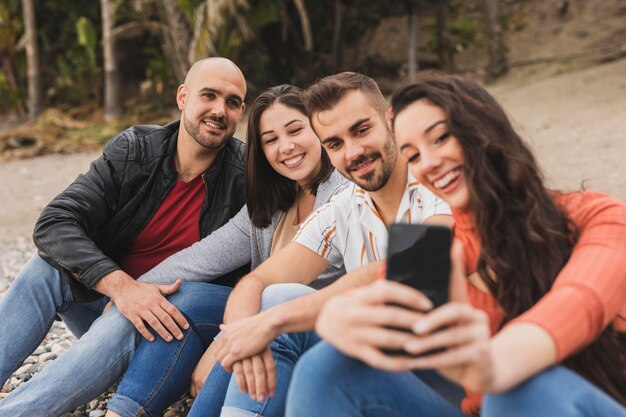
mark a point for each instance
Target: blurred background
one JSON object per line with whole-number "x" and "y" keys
{"x": 73, "y": 73}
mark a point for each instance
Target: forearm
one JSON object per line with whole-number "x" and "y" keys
{"x": 299, "y": 315}
{"x": 245, "y": 299}
{"x": 533, "y": 349}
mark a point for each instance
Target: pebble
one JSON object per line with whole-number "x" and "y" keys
{"x": 13, "y": 256}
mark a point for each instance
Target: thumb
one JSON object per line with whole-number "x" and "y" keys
{"x": 458, "y": 280}
{"x": 171, "y": 288}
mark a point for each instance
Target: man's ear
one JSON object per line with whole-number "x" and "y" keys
{"x": 389, "y": 116}
{"x": 181, "y": 96}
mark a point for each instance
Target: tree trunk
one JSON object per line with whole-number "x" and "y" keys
{"x": 112, "y": 93}
{"x": 412, "y": 48}
{"x": 337, "y": 37}
{"x": 177, "y": 39}
{"x": 306, "y": 25}
{"x": 497, "y": 64}
{"x": 35, "y": 96}
{"x": 444, "y": 46}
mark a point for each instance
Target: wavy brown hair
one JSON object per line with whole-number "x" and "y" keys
{"x": 526, "y": 238}
{"x": 266, "y": 190}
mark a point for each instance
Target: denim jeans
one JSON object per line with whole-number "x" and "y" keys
{"x": 85, "y": 370}
{"x": 160, "y": 372}
{"x": 286, "y": 350}
{"x": 350, "y": 388}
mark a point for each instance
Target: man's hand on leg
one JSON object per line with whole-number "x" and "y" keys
{"x": 143, "y": 304}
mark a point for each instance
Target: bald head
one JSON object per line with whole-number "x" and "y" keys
{"x": 211, "y": 101}
{"x": 216, "y": 67}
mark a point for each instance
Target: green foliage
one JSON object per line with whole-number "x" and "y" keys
{"x": 463, "y": 32}
{"x": 86, "y": 35}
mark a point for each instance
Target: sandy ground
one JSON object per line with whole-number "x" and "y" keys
{"x": 576, "y": 123}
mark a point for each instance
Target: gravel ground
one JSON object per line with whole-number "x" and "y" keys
{"x": 575, "y": 123}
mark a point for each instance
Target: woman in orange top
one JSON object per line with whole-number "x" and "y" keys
{"x": 538, "y": 287}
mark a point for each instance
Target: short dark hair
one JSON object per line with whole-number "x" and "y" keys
{"x": 266, "y": 190}
{"x": 328, "y": 91}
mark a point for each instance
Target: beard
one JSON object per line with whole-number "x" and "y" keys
{"x": 206, "y": 139}
{"x": 375, "y": 179}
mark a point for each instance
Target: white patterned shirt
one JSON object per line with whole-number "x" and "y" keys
{"x": 349, "y": 231}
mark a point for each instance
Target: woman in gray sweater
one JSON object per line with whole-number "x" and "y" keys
{"x": 288, "y": 176}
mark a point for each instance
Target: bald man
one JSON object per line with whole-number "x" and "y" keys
{"x": 154, "y": 191}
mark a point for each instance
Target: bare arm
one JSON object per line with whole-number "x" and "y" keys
{"x": 294, "y": 263}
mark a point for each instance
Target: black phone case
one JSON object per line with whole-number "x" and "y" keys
{"x": 418, "y": 255}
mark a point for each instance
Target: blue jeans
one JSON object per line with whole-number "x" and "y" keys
{"x": 160, "y": 372}
{"x": 286, "y": 350}
{"x": 350, "y": 388}
{"x": 85, "y": 370}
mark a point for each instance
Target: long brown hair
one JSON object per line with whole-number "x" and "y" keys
{"x": 526, "y": 238}
{"x": 266, "y": 190}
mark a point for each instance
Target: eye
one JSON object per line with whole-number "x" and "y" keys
{"x": 442, "y": 138}
{"x": 234, "y": 103}
{"x": 270, "y": 140}
{"x": 209, "y": 95}
{"x": 362, "y": 131}
{"x": 413, "y": 158}
{"x": 295, "y": 131}
{"x": 332, "y": 146}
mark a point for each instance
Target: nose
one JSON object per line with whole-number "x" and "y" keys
{"x": 219, "y": 108}
{"x": 353, "y": 150}
{"x": 286, "y": 146}
{"x": 430, "y": 161}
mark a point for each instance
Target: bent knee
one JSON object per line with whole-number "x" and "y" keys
{"x": 276, "y": 294}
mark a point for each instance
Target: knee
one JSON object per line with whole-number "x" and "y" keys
{"x": 276, "y": 294}
{"x": 37, "y": 272}
{"x": 321, "y": 364}
{"x": 549, "y": 386}
{"x": 200, "y": 301}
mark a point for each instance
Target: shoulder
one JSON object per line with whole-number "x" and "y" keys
{"x": 141, "y": 141}
{"x": 334, "y": 185}
{"x": 586, "y": 206}
{"x": 235, "y": 153}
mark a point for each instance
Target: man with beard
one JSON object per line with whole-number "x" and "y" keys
{"x": 154, "y": 191}
{"x": 348, "y": 113}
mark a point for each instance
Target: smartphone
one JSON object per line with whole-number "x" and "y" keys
{"x": 418, "y": 255}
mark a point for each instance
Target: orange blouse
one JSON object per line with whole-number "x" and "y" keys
{"x": 587, "y": 295}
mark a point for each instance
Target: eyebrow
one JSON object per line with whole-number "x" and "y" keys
{"x": 428, "y": 129}
{"x": 351, "y": 129}
{"x": 290, "y": 123}
{"x": 431, "y": 127}
{"x": 219, "y": 93}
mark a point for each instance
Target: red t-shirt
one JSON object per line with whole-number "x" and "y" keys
{"x": 175, "y": 226}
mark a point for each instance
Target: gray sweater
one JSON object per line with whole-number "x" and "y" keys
{"x": 234, "y": 245}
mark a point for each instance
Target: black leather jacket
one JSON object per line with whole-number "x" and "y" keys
{"x": 87, "y": 228}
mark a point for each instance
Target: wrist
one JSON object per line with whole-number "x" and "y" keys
{"x": 113, "y": 283}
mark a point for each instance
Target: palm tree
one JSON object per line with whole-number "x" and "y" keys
{"x": 35, "y": 97}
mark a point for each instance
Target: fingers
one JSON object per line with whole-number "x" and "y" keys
{"x": 260, "y": 378}
{"x": 142, "y": 329}
{"x": 270, "y": 369}
{"x": 155, "y": 323}
{"x": 385, "y": 292}
{"x": 452, "y": 357}
{"x": 384, "y": 315}
{"x": 449, "y": 314}
{"x": 171, "y": 288}
{"x": 448, "y": 338}
{"x": 458, "y": 279}
{"x": 248, "y": 374}
{"x": 241, "y": 379}
{"x": 172, "y": 318}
